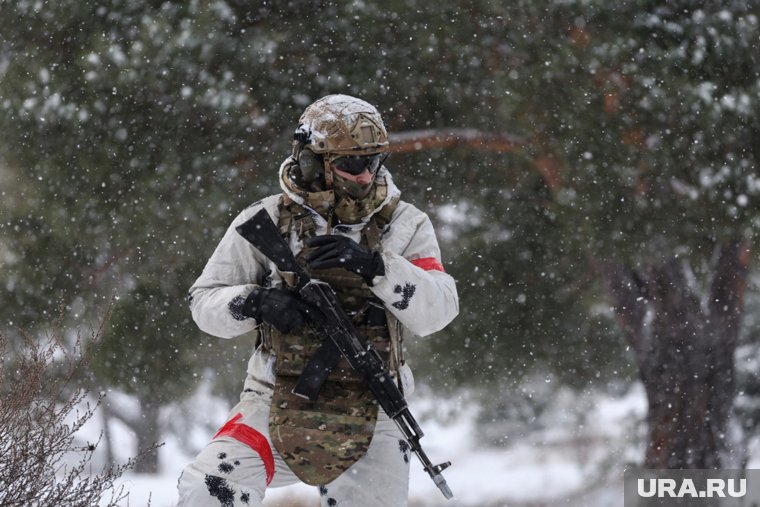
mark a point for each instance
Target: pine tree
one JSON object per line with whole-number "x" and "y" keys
{"x": 652, "y": 111}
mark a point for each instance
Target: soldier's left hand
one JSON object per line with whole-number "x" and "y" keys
{"x": 341, "y": 252}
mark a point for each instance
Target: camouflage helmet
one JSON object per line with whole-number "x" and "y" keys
{"x": 338, "y": 125}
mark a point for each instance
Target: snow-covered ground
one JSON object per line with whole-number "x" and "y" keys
{"x": 577, "y": 459}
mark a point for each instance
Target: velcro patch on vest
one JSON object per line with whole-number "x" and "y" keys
{"x": 319, "y": 440}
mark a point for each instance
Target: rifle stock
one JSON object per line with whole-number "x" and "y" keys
{"x": 261, "y": 232}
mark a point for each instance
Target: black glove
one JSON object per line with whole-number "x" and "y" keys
{"x": 343, "y": 252}
{"x": 279, "y": 307}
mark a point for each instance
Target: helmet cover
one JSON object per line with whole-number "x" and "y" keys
{"x": 338, "y": 125}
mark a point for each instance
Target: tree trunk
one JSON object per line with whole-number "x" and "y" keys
{"x": 684, "y": 344}
{"x": 146, "y": 428}
{"x": 108, "y": 441}
{"x": 148, "y": 434}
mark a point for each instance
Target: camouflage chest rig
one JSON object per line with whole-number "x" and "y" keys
{"x": 319, "y": 440}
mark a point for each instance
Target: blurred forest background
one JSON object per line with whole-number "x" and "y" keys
{"x": 590, "y": 166}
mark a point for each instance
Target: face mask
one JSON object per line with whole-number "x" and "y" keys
{"x": 355, "y": 187}
{"x": 351, "y": 211}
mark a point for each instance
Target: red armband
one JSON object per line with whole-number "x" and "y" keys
{"x": 428, "y": 264}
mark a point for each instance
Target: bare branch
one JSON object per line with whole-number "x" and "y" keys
{"x": 420, "y": 140}
{"x": 545, "y": 163}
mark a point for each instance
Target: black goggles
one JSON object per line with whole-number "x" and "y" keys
{"x": 357, "y": 164}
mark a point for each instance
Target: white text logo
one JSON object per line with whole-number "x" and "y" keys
{"x": 714, "y": 488}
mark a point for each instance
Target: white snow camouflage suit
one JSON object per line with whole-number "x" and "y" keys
{"x": 240, "y": 462}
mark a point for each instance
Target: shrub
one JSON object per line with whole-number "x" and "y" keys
{"x": 41, "y": 410}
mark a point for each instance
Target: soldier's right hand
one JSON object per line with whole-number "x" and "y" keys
{"x": 279, "y": 307}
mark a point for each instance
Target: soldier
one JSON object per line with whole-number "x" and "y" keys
{"x": 342, "y": 216}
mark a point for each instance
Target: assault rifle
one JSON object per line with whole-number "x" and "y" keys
{"x": 343, "y": 340}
